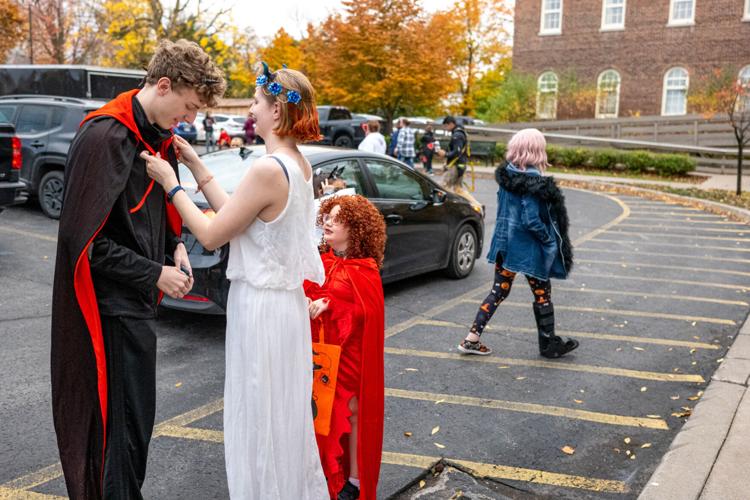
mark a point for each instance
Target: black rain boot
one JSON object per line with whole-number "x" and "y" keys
{"x": 550, "y": 345}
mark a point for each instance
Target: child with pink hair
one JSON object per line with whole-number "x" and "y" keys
{"x": 531, "y": 237}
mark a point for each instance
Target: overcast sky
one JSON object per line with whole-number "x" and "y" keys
{"x": 267, "y": 16}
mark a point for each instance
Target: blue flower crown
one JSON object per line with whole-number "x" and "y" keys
{"x": 266, "y": 79}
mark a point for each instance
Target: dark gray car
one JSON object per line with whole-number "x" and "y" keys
{"x": 46, "y": 126}
{"x": 428, "y": 227}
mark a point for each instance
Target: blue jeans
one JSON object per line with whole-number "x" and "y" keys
{"x": 409, "y": 160}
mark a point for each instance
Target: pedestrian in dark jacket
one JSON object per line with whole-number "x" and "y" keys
{"x": 531, "y": 237}
{"x": 457, "y": 156}
{"x": 427, "y": 148}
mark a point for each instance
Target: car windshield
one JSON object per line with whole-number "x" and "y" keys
{"x": 239, "y": 120}
{"x": 227, "y": 167}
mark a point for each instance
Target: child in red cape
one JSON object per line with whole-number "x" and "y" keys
{"x": 350, "y": 307}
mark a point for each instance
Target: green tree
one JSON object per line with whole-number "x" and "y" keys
{"x": 513, "y": 99}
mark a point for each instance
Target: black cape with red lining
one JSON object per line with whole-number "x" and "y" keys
{"x": 78, "y": 363}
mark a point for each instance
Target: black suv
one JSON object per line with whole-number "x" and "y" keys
{"x": 46, "y": 126}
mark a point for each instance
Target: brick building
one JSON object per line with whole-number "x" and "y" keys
{"x": 637, "y": 57}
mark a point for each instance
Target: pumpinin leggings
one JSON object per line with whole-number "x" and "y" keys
{"x": 542, "y": 291}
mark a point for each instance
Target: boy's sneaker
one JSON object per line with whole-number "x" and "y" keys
{"x": 348, "y": 492}
{"x": 468, "y": 347}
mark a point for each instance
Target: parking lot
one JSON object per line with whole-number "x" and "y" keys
{"x": 657, "y": 294}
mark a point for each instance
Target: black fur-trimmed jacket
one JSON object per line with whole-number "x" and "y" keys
{"x": 531, "y": 231}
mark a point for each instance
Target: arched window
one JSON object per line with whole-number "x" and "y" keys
{"x": 744, "y": 81}
{"x": 608, "y": 94}
{"x": 546, "y": 97}
{"x": 674, "y": 99}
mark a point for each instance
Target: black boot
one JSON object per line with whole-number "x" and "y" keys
{"x": 550, "y": 345}
{"x": 348, "y": 492}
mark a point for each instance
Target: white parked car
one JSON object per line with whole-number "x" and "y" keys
{"x": 220, "y": 119}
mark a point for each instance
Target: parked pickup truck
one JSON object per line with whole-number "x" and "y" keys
{"x": 339, "y": 128}
{"x": 10, "y": 166}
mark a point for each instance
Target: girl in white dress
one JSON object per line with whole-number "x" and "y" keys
{"x": 269, "y": 439}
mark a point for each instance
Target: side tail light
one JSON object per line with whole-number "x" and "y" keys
{"x": 16, "y": 161}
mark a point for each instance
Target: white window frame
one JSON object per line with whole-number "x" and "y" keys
{"x": 539, "y": 115}
{"x": 617, "y": 94}
{"x": 614, "y": 27}
{"x": 746, "y": 17}
{"x": 548, "y": 31}
{"x": 681, "y": 22}
{"x": 665, "y": 89}
{"x": 744, "y": 99}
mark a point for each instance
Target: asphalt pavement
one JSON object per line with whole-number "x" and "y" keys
{"x": 656, "y": 297}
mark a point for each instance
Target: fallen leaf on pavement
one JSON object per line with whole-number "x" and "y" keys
{"x": 646, "y": 445}
{"x": 439, "y": 445}
{"x": 639, "y": 348}
{"x": 626, "y": 440}
{"x": 578, "y": 401}
{"x": 407, "y": 434}
{"x": 674, "y": 398}
{"x": 435, "y": 430}
{"x": 422, "y": 483}
{"x": 568, "y": 450}
{"x": 178, "y": 384}
{"x": 520, "y": 378}
{"x": 411, "y": 369}
{"x": 644, "y": 389}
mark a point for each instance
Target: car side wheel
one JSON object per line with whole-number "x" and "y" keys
{"x": 463, "y": 253}
{"x": 343, "y": 141}
{"x": 51, "y": 193}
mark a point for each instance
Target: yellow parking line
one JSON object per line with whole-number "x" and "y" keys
{"x": 30, "y": 234}
{"x": 624, "y": 312}
{"x": 647, "y": 295}
{"x": 555, "y": 411}
{"x": 699, "y": 213}
{"x": 668, "y": 281}
{"x": 424, "y": 462}
{"x": 599, "y": 370}
{"x": 587, "y": 335}
{"x": 664, "y": 266}
{"x": 688, "y": 221}
{"x": 665, "y": 226}
{"x": 209, "y": 435}
{"x": 511, "y": 473}
{"x": 35, "y": 478}
{"x": 691, "y": 236}
{"x": 11, "y": 494}
{"x": 679, "y": 245}
{"x": 657, "y": 254}
{"x": 190, "y": 416}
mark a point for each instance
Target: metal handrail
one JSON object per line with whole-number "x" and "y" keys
{"x": 611, "y": 141}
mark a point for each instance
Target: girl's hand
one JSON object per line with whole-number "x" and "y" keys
{"x": 317, "y": 308}
{"x": 185, "y": 152}
{"x": 160, "y": 170}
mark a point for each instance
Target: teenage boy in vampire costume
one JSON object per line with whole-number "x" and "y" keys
{"x": 116, "y": 227}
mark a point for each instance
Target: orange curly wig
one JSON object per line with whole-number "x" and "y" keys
{"x": 365, "y": 223}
